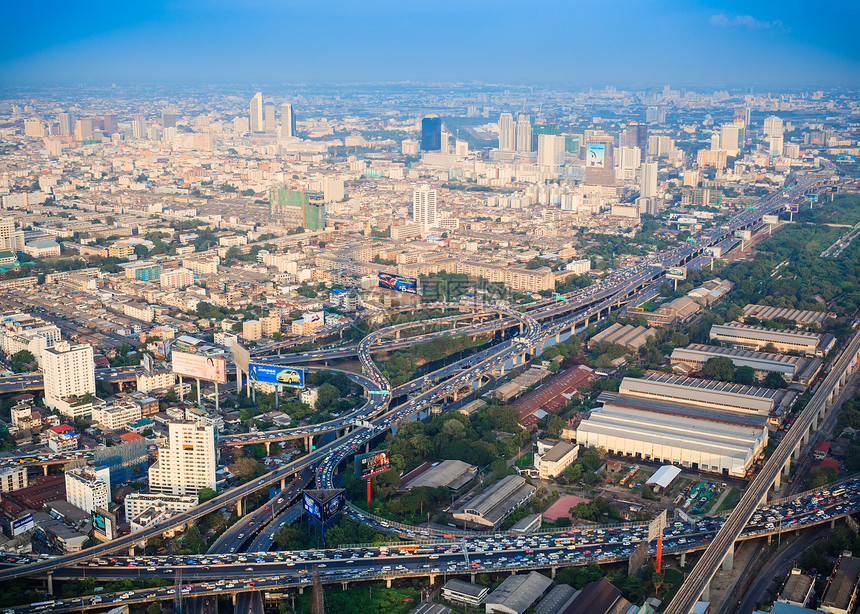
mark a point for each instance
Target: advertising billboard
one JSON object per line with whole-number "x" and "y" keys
{"x": 392, "y": 281}
{"x": 714, "y": 251}
{"x": 104, "y": 524}
{"x": 743, "y": 235}
{"x": 333, "y": 506}
{"x": 312, "y": 506}
{"x": 314, "y": 317}
{"x": 770, "y": 219}
{"x": 367, "y": 465}
{"x": 277, "y": 374}
{"x": 241, "y": 356}
{"x": 791, "y": 208}
{"x": 595, "y": 154}
{"x": 202, "y": 367}
{"x": 22, "y": 524}
{"x": 846, "y": 157}
{"x": 146, "y": 361}
{"x": 676, "y": 272}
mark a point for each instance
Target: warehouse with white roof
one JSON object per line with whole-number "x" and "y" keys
{"x": 758, "y": 337}
{"x": 792, "y": 368}
{"x": 700, "y": 392}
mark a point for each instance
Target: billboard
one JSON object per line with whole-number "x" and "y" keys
{"x": 104, "y": 524}
{"x": 147, "y": 363}
{"x": 743, "y": 235}
{"x": 657, "y": 526}
{"x": 595, "y": 154}
{"x": 277, "y": 374}
{"x": 323, "y": 504}
{"x": 792, "y": 208}
{"x": 314, "y": 317}
{"x": 676, "y": 272}
{"x": 241, "y": 356}
{"x": 846, "y": 157}
{"x": 392, "y": 281}
{"x": 202, "y": 367}
{"x": 770, "y": 219}
{"x": 367, "y": 465}
{"x": 22, "y": 524}
{"x": 312, "y": 506}
{"x": 714, "y": 251}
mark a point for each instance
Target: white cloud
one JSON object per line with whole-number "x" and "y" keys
{"x": 746, "y": 21}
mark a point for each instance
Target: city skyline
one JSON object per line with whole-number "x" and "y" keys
{"x": 767, "y": 45}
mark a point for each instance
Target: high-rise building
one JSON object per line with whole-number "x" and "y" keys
{"x": 731, "y": 138}
{"x": 11, "y": 240}
{"x": 507, "y": 132}
{"x": 648, "y": 185}
{"x": 550, "y": 151}
{"x": 168, "y": 118}
{"x": 88, "y": 488}
{"x": 424, "y": 206}
{"x": 125, "y": 461}
{"x": 110, "y": 123}
{"x": 655, "y": 115}
{"x": 773, "y": 126}
{"x": 524, "y": 132}
{"x": 599, "y": 160}
{"x": 635, "y": 135}
{"x": 66, "y": 121}
{"x": 269, "y": 121}
{"x": 84, "y": 129}
{"x": 138, "y": 126}
{"x": 187, "y": 462}
{"x": 776, "y": 145}
{"x": 431, "y": 134}
{"x": 69, "y": 371}
{"x": 257, "y": 113}
{"x": 288, "y": 121}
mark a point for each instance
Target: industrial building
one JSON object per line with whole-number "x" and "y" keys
{"x": 551, "y": 461}
{"x": 464, "y": 593}
{"x": 840, "y": 595}
{"x": 798, "y": 316}
{"x": 792, "y": 368}
{"x": 453, "y": 474}
{"x": 491, "y": 507}
{"x": 702, "y": 438}
{"x": 517, "y": 593}
{"x": 758, "y": 337}
{"x": 631, "y": 337}
{"x": 599, "y": 597}
{"x": 701, "y": 393}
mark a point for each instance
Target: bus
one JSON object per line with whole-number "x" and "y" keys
{"x": 565, "y": 541}
{"x": 838, "y": 492}
{"x": 408, "y": 548}
{"x": 42, "y": 606}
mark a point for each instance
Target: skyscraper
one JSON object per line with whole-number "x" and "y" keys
{"x": 648, "y": 186}
{"x": 635, "y": 135}
{"x": 773, "y": 126}
{"x": 731, "y": 138}
{"x": 110, "y": 123}
{"x": 269, "y": 117}
{"x": 187, "y": 462}
{"x": 424, "y": 206}
{"x": 69, "y": 371}
{"x": 257, "y": 113}
{"x": 288, "y": 121}
{"x": 431, "y": 134}
{"x": 66, "y": 120}
{"x": 168, "y": 118}
{"x": 524, "y": 132}
{"x": 550, "y": 151}
{"x": 507, "y": 132}
{"x": 138, "y": 126}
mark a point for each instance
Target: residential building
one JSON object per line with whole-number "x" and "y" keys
{"x": 69, "y": 372}
{"x": 507, "y": 132}
{"x": 62, "y": 438}
{"x": 88, "y": 488}
{"x": 256, "y": 113}
{"x": 187, "y": 462}
{"x": 116, "y": 416}
{"x": 462, "y": 593}
{"x": 424, "y": 206}
{"x": 177, "y": 278}
{"x": 13, "y": 478}
{"x": 552, "y": 462}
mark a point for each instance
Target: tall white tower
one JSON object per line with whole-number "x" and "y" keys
{"x": 507, "y": 132}
{"x": 187, "y": 463}
{"x": 550, "y": 151}
{"x": 648, "y": 187}
{"x": 424, "y": 206}
{"x": 257, "y": 113}
{"x": 524, "y": 132}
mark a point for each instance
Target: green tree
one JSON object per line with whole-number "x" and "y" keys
{"x": 744, "y": 375}
{"x": 774, "y": 380}
{"x": 140, "y": 250}
{"x": 153, "y": 608}
{"x": 22, "y": 361}
{"x": 719, "y": 368}
{"x": 205, "y": 494}
{"x": 327, "y": 397}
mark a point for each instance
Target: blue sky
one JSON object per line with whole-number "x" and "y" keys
{"x": 643, "y": 42}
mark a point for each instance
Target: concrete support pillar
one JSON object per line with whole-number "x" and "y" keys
{"x": 387, "y": 582}
{"x": 268, "y": 445}
{"x": 832, "y": 523}
{"x": 131, "y": 551}
{"x": 777, "y": 482}
{"x": 235, "y": 598}
{"x": 310, "y": 442}
{"x": 45, "y": 469}
{"x": 805, "y": 438}
{"x": 283, "y": 483}
{"x": 301, "y": 590}
{"x": 796, "y": 453}
{"x": 240, "y": 507}
{"x": 729, "y": 560}
{"x": 786, "y": 468}
{"x": 768, "y": 538}
{"x": 552, "y": 571}
{"x": 367, "y": 447}
{"x": 50, "y": 584}
{"x": 706, "y": 594}
{"x": 432, "y": 579}
{"x": 474, "y": 577}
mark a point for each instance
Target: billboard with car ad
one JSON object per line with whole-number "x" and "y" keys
{"x": 212, "y": 368}
{"x": 393, "y": 281}
{"x": 277, "y": 374}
